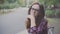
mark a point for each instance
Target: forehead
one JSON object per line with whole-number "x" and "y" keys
{"x": 35, "y": 6}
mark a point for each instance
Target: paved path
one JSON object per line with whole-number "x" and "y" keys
{"x": 13, "y": 22}
{"x": 23, "y": 32}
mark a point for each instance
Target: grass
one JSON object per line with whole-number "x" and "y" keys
{"x": 56, "y": 23}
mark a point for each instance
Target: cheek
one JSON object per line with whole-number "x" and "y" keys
{"x": 31, "y": 11}
{"x": 36, "y": 12}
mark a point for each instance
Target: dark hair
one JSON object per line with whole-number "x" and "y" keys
{"x": 41, "y": 12}
{"x": 41, "y": 9}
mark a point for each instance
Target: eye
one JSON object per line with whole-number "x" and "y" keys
{"x": 34, "y": 9}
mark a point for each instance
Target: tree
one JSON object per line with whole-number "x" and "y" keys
{"x": 1, "y": 1}
{"x": 11, "y": 1}
{"x": 51, "y": 4}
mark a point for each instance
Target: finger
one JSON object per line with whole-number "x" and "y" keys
{"x": 29, "y": 16}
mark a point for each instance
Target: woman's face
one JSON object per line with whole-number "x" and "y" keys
{"x": 35, "y": 10}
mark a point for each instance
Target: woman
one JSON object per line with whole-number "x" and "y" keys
{"x": 35, "y": 22}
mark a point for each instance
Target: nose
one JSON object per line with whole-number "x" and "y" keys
{"x": 34, "y": 11}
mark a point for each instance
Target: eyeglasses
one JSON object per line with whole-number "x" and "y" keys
{"x": 34, "y": 9}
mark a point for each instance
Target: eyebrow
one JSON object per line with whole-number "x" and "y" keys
{"x": 35, "y": 8}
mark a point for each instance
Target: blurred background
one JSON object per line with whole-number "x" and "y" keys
{"x": 13, "y": 14}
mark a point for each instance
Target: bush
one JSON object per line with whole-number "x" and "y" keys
{"x": 50, "y": 13}
{"x": 9, "y": 5}
{"x": 57, "y": 14}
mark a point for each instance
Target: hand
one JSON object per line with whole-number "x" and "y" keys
{"x": 32, "y": 18}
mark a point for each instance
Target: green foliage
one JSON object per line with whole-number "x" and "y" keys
{"x": 42, "y": 1}
{"x": 21, "y": 3}
{"x": 11, "y": 1}
{"x": 48, "y": 3}
{"x": 9, "y": 5}
{"x": 57, "y": 14}
{"x": 1, "y": 1}
{"x": 50, "y": 13}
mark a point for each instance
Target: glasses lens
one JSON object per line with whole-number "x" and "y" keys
{"x": 35, "y": 9}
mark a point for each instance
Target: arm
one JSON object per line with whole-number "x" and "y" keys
{"x": 30, "y": 23}
{"x": 31, "y": 29}
{"x": 33, "y": 25}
